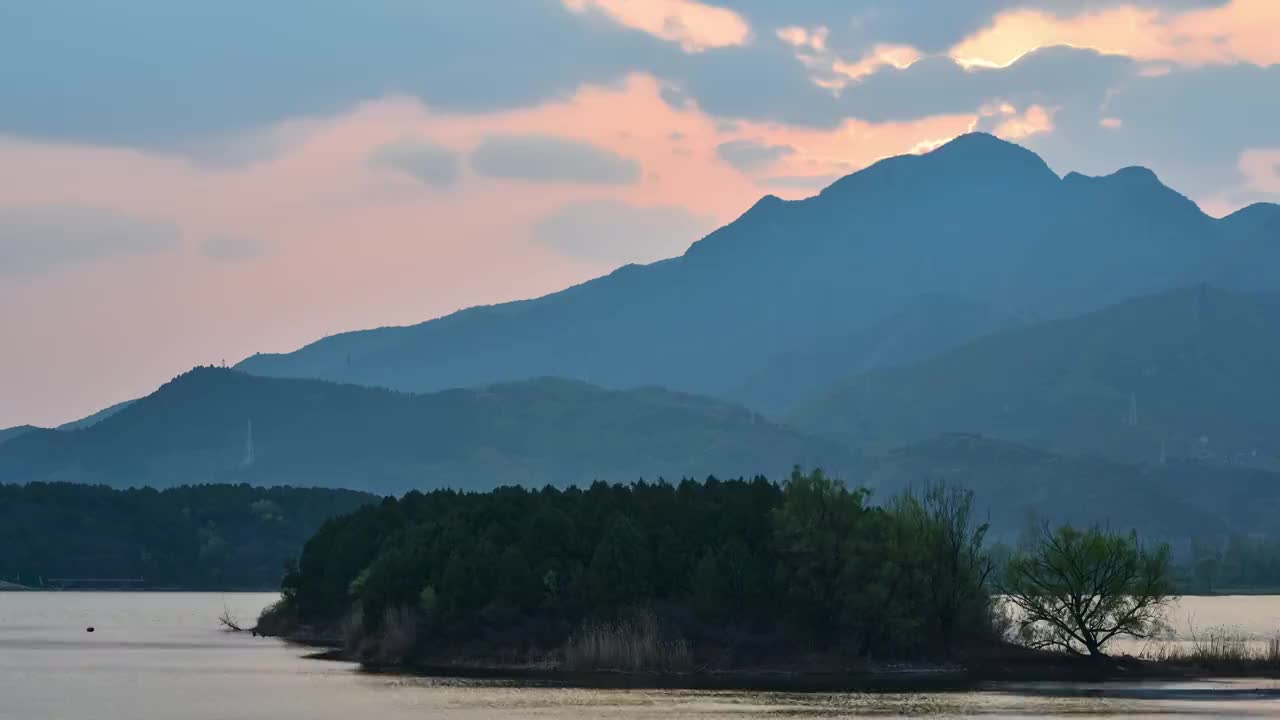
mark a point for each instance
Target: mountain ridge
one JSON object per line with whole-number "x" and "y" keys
{"x": 977, "y": 217}
{"x": 1185, "y": 373}
{"x": 220, "y": 425}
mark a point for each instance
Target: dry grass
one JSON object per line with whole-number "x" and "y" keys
{"x": 399, "y": 634}
{"x": 1220, "y": 649}
{"x": 352, "y": 631}
{"x": 634, "y": 644}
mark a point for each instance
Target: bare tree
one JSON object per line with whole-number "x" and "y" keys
{"x": 228, "y": 621}
{"x": 1076, "y": 590}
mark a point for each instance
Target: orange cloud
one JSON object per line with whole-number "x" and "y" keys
{"x": 897, "y": 56}
{"x": 835, "y": 73}
{"x": 1240, "y": 31}
{"x": 1034, "y": 120}
{"x": 695, "y": 26}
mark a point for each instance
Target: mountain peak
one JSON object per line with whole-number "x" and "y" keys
{"x": 982, "y": 140}
{"x": 1257, "y": 215}
{"x": 764, "y": 206}
{"x": 959, "y": 163}
{"x": 981, "y": 148}
{"x": 1133, "y": 176}
{"x": 1136, "y": 174}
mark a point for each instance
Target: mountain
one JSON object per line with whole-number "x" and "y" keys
{"x": 978, "y": 218}
{"x": 13, "y": 432}
{"x": 218, "y": 425}
{"x": 926, "y": 326}
{"x": 95, "y": 418}
{"x": 1015, "y": 486}
{"x": 1190, "y": 371}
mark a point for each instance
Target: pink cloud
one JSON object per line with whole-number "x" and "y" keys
{"x": 833, "y": 72}
{"x": 354, "y": 243}
{"x": 1240, "y": 31}
{"x": 695, "y": 26}
{"x": 1034, "y": 120}
{"x": 1261, "y": 169}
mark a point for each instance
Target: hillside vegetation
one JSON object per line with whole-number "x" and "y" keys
{"x": 726, "y": 574}
{"x": 1018, "y": 487}
{"x": 1187, "y": 374}
{"x": 218, "y": 425}
{"x": 190, "y": 537}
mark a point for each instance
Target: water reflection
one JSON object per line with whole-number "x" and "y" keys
{"x": 159, "y": 656}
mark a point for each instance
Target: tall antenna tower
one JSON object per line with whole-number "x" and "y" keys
{"x": 248, "y": 446}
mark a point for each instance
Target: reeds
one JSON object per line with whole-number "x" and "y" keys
{"x": 1224, "y": 649}
{"x": 399, "y": 634}
{"x": 636, "y": 643}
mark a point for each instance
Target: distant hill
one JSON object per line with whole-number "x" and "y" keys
{"x": 95, "y": 418}
{"x": 1015, "y": 486}
{"x": 1192, "y": 371}
{"x": 977, "y": 218}
{"x": 13, "y": 432}
{"x": 196, "y": 429}
{"x": 209, "y": 537}
{"x": 926, "y": 326}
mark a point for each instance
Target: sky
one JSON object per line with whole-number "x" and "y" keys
{"x": 189, "y": 183}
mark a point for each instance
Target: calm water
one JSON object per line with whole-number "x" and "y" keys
{"x": 162, "y": 656}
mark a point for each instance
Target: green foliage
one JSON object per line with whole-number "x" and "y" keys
{"x": 1240, "y": 563}
{"x": 817, "y": 531}
{"x": 809, "y": 560}
{"x": 620, "y": 571}
{"x": 192, "y": 537}
{"x": 1076, "y": 590}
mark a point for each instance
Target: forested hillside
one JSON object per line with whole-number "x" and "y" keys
{"x": 1186, "y": 374}
{"x": 218, "y": 425}
{"x": 192, "y": 537}
{"x": 735, "y": 573}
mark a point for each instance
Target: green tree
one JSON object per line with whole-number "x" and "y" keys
{"x": 1076, "y": 590}
{"x": 815, "y": 527}
{"x": 941, "y": 540}
{"x": 619, "y": 571}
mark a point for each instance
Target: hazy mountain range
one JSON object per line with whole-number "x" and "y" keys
{"x": 923, "y": 327}
{"x": 1017, "y": 487}
{"x": 968, "y": 290}
{"x": 1190, "y": 372}
{"x": 978, "y": 218}
{"x": 220, "y": 425}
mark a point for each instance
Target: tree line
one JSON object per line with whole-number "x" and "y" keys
{"x": 742, "y": 571}
{"x": 191, "y": 537}
{"x": 1240, "y": 563}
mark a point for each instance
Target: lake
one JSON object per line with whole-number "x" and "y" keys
{"x": 162, "y": 656}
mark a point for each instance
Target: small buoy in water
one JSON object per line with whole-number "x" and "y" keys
{"x": 89, "y": 629}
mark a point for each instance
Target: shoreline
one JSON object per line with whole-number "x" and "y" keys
{"x": 1011, "y": 664}
{"x": 11, "y": 587}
